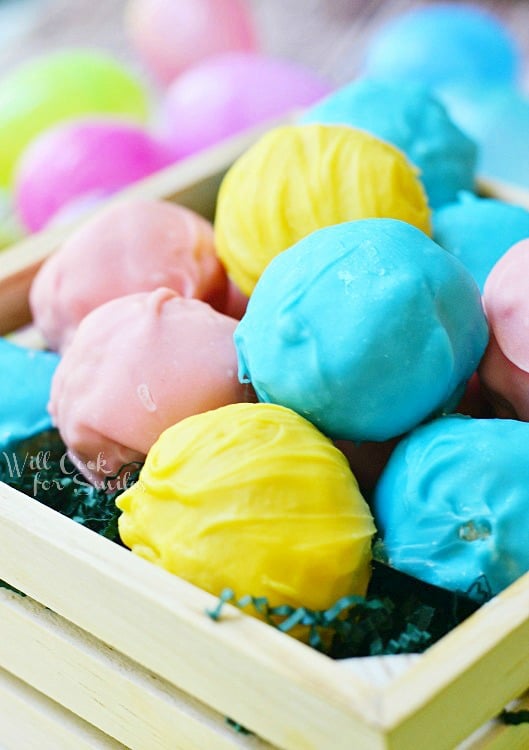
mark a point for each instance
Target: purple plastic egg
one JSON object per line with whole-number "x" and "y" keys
{"x": 230, "y": 93}
{"x": 83, "y": 159}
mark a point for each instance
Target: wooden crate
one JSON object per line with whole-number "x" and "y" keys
{"x": 109, "y": 651}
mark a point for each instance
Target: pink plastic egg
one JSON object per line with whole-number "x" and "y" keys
{"x": 82, "y": 159}
{"x": 230, "y": 93}
{"x": 172, "y": 35}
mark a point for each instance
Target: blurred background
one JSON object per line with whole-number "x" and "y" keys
{"x": 143, "y": 84}
{"x": 329, "y": 35}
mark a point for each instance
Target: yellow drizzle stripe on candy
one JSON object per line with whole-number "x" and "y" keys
{"x": 298, "y": 179}
{"x": 252, "y": 497}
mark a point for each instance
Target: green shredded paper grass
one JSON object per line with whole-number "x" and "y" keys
{"x": 40, "y": 467}
{"x": 399, "y": 614}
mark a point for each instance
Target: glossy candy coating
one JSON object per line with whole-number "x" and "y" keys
{"x": 365, "y": 328}
{"x": 412, "y": 119}
{"x": 504, "y": 370}
{"x": 497, "y": 118}
{"x": 298, "y": 179}
{"x": 57, "y": 87}
{"x": 25, "y": 390}
{"x": 82, "y": 159}
{"x": 141, "y": 244}
{"x": 479, "y": 231}
{"x": 253, "y": 498}
{"x": 137, "y": 365}
{"x": 452, "y": 503}
{"x": 228, "y": 94}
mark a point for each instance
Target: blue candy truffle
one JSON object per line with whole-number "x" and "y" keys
{"x": 443, "y": 43}
{"x": 479, "y": 231}
{"x": 451, "y": 506}
{"x": 497, "y": 118}
{"x": 25, "y": 391}
{"x": 409, "y": 117}
{"x": 365, "y": 328}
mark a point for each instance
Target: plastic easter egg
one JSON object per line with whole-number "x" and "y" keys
{"x": 479, "y": 231}
{"x": 25, "y": 391}
{"x": 133, "y": 246}
{"x": 230, "y": 93}
{"x": 84, "y": 158}
{"x": 253, "y": 498}
{"x": 171, "y": 36}
{"x": 57, "y": 87}
{"x": 452, "y": 502}
{"x": 412, "y": 119}
{"x": 301, "y": 178}
{"x": 366, "y": 329}
{"x": 443, "y": 43}
{"x": 163, "y": 356}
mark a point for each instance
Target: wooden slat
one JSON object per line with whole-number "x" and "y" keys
{"x": 503, "y": 191}
{"x": 466, "y": 678}
{"x": 31, "y": 721}
{"x": 104, "y": 688}
{"x": 280, "y": 689}
{"x": 499, "y": 736}
{"x": 193, "y": 182}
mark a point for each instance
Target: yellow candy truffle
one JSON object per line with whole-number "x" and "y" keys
{"x": 298, "y": 179}
{"x": 252, "y": 497}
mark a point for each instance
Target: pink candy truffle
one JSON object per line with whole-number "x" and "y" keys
{"x": 172, "y": 35}
{"x": 136, "y": 366}
{"x": 504, "y": 370}
{"x": 136, "y": 245}
{"x": 83, "y": 158}
{"x": 230, "y": 93}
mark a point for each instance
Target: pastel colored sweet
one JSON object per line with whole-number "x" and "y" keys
{"x": 82, "y": 159}
{"x": 26, "y": 381}
{"x": 452, "y": 503}
{"x": 442, "y": 43}
{"x": 57, "y": 87}
{"x": 233, "y": 92}
{"x": 497, "y": 118}
{"x": 478, "y": 231}
{"x": 301, "y": 178}
{"x": 366, "y": 328}
{"x": 172, "y": 36}
{"x": 253, "y": 498}
{"x": 504, "y": 370}
{"x": 136, "y": 245}
{"x": 411, "y": 118}
{"x": 137, "y": 365}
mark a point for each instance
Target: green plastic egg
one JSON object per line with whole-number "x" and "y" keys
{"x": 57, "y": 87}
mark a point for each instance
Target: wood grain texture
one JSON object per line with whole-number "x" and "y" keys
{"x": 103, "y": 687}
{"x": 286, "y": 693}
{"x": 31, "y": 721}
